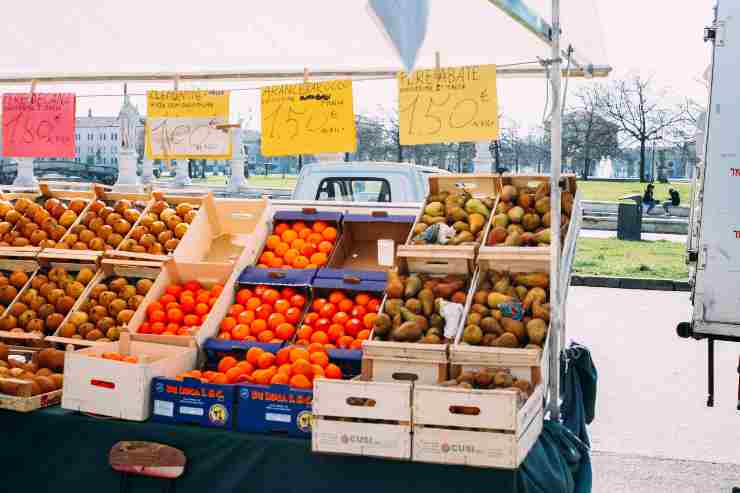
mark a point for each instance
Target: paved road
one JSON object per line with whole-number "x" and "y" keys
{"x": 653, "y": 432}
{"x": 597, "y": 233}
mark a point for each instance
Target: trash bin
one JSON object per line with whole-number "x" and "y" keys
{"x": 629, "y": 219}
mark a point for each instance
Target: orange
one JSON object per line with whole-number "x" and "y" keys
{"x": 300, "y": 382}
{"x": 293, "y": 315}
{"x": 298, "y": 353}
{"x": 208, "y": 375}
{"x": 257, "y": 326}
{"x": 314, "y": 347}
{"x": 270, "y": 296}
{"x": 281, "y": 248}
{"x": 318, "y": 304}
{"x": 304, "y": 333}
{"x": 253, "y": 303}
{"x": 369, "y": 319}
{"x": 203, "y": 297}
{"x": 224, "y": 335}
{"x": 266, "y": 258}
{"x": 266, "y": 360}
{"x": 302, "y": 367}
{"x": 319, "y": 259}
{"x": 266, "y": 336}
{"x": 319, "y": 226}
{"x": 344, "y": 342}
{"x": 281, "y": 305}
{"x": 235, "y": 310}
{"x": 318, "y": 371}
{"x": 300, "y": 262}
{"x": 286, "y": 368}
{"x": 202, "y": 309}
{"x": 276, "y": 263}
{"x": 298, "y": 300}
{"x": 250, "y": 338}
{"x": 325, "y": 246}
{"x": 233, "y": 374}
{"x": 280, "y": 228}
{"x": 301, "y": 342}
{"x": 321, "y": 359}
{"x": 275, "y": 319}
{"x": 340, "y": 317}
{"x": 291, "y": 255}
{"x": 167, "y": 299}
{"x": 282, "y": 356}
{"x": 330, "y": 234}
{"x": 272, "y": 241}
{"x": 216, "y": 290}
{"x": 333, "y": 371}
{"x": 307, "y": 250}
{"x": 174, "y": 290}
{"x": 315, "y": 239}
{"x": 246, "y": 366}
{"x": 288, "y": 236}
{"x": 280, "y": 379}
{"x": 226, "y": 363}
{"x": 297, "y": 244}
{"x": 320, "y": 337}
{"x": 362, "y": 299}
{"x": 240, "y": 332}
{"x": 336, "y": 296}
{"x": 305, "y": 233}
{"x": 312, "y": 266}
{"x": 346, "y": 305}
{"x": 246, "y": 317}
{"x": 298, "y": 225}
{"x": 284, "y": 331}
{"x": 258, "y": 290}
{"x": 220, "y": 378}
{"x": 356, "y": 344}
{"x": 363, "y": 335}
{"x": 227, "y": 324}
{"x": 253, "y": 355}
{"x": 262, "y": 377}
{"x": 335, "y": 332}
{"x": 243, "y": 295}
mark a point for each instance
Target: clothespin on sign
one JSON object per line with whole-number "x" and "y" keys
{"x": 436, "y": 60}
{"x": 177, "y": 82}
{"x": 305, "y": 75}
{"x": 33, "y": 89}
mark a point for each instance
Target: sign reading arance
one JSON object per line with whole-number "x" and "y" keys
{"x": 453, "y": 104}
{"x": 308, "y": 118}
{"x": 39, "y": 125}
{"x": 183, "y": 124}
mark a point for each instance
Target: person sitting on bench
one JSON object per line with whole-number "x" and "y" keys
{"x": 648, "y": 199}
{"x": 674, "y": 202}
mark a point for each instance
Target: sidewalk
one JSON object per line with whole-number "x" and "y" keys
{"x": 593, "y": 233}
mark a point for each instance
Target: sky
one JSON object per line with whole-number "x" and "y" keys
{"x": 658, "y": 38}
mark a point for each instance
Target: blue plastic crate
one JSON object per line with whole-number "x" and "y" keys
{"x": 193, "y": 402}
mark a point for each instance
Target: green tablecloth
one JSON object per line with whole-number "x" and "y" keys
{"x": 65, "y": 452}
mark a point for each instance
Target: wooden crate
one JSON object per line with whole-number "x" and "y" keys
{"x": 226, "y": 230}
{"x": 356, "y": 417}
{"x": 530, "y": 364}
{"x": 26, "y": 402}
{"x": 109, "y": 198}
{"x": 118, "y": 389}
{"x": 7, "y": 266}
{"x": 452, "y": 259}
{"x": 172, "y": 200}
{"x": 45, "y": 192}
{"x": 208, "y": 274}
{"x": 133, "y": 270}
{"x": 526, "y": 258}
{"x": 483, "y": 428}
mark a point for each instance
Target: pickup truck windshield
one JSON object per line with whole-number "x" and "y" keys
{"x": 354, "y": 189}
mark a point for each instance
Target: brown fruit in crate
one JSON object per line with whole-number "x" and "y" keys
{"x": 7, "y": 294}
{"x": 171, "y": 245}
{"x": 114, "y": 240}
{"x": 85, "y": 328}
{"x": 121, "y": 227}
{"x": 105, "y": 212}
{"x": 77, "y": 205}
{"x": 17, "y": 308}
{"x": 105, "y": 324}
{"x": 37, "y": 325}
{"x": 37, "y": 303}
{"x": 156, "y": 249}
{"x": 165, "y": 236}
{"x": 173, "y": 221}
{"x": 157, "y": 227}
{"x": 138, "y": 232}
{"x": 167, "y": 214}
{"x": 190, "y": 216}
{"x": 148, "y": 219}
{"x": 114, "y": 333}
{"x": 28, "y": 229}
{"x": 47, "y": 288}
{"x": 45, "y": 310}
{"x": 89, "y": 216}
{"x": 57, "y": 275}
{"x": 37, "y": 237}
{"x": 459, "y": 297}
{"x": 113, "y": 218}
{"x": 64, "y": 304}
{"x": 138, "y": 249}
{"x": 127, "y": 292}
{"x": 58, "y": 380}
{"x": 5, "y": 226}
{"x": 96, "y": 224}
{"x": 55, "y": 295}
{"x": 8, "y": 322}
{"x": 134, "y": 302}
{"x": 183, "y": 209}
{"x": 181, "y": 229}
{"x": 147, "y": 240}
{"x": 74, "y": 289}
{"x": 125, "y": 316}
{"x": 78, "y": 318}
{"x": 18, "y": 279}
{"x": 97, "y": 206}
{"x": 97, "y": 290}
{"x": 71, "y": 238}
{"x": 143, "y": 286}
{"x": 131, "y": 215}
{"x": 97, "y": 244}
{"x": 67, "y": 218}
{"x": 126, "y": 245}
{"x": 45, "y": 384}
{"x": 117, "y": 284}
{"x": 51, "y": 203}
{"x": 5, "y": 207}
{"x": 79, "y": 246}
{"x": 106, "y": 298}
{"x": 40, "y": 216}
{"x": 26, "y": 317}
{"x": 122, "y": 205}
{"x": 116, "y": 306}
{"x": 86, "y": 235}
{"x": 29, "y": 295}
{"x": 84, "y": 275}
{"x": 158, "y": 206}
{"x": 57, "y": 233}
{"x": 12, "y": 216}
{"x": 94, "y": 335}
{"x": 21, "y": 242}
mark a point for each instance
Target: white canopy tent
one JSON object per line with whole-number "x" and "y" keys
{"x": 106, "y": 41}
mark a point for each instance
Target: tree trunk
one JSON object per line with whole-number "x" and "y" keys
{"x": 585, "y": 168}
{"x": 400, "y": 153}
{"x": 642, "y": 161}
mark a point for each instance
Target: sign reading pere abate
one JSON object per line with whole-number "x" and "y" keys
{"x": 449, "y": 104}
{"x": 39, "y": 125}
{"x": 184, "y": 124}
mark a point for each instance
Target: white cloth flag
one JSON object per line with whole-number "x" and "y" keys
{"x": 404, "y": 23}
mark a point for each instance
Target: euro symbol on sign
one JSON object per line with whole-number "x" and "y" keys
{"x": 484, "y": 95}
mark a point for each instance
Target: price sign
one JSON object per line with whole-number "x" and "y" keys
{"x": 451, "y": 104}
{"x": 39, "y": 125}
{"x": 309, "y": 118}
{"x": 183, "y": 124}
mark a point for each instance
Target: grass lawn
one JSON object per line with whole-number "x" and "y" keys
{"x": 612, "y": 191}
{"x": 646, "y": 259}
{"x": 273, "y": 181}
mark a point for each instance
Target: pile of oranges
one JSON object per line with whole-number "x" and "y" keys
{"x": 263, "y": 314}
{"x": 339, "y": 321}
{"x": 119, "y": 357}
{"x": 294, "y": 366}
{"x": 181, "y": 310}
{"x": 299, "y": 245}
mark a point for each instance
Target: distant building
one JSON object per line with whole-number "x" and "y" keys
{"x": 97, "y": 139}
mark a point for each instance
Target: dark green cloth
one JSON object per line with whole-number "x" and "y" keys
{"x": 65, "y": 452}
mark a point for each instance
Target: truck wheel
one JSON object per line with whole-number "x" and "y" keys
{"x": 684, "y": 330}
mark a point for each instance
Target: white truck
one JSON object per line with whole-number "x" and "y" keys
{"x": 714, "y": 238}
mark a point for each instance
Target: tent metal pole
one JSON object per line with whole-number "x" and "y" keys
{"x": 555, "y": 246}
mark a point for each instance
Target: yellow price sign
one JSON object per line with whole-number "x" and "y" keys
{"x": 184, "y": 124}
{"x": 452, "y": 104}
{"x": 308, "y": 118}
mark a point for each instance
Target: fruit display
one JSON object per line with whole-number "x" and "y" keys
{"x": 28, "y": 223}
{"x": 339, "y": 320}
{"x": 299, "y": 245}
{"x": 522, "y": 216}
{"x": 181, "y": 310}
{"x": 509, "y": 310}
{"x": 462, "y": 219}
{"x": 292, "y": 365}
{"x": 264, "y": 313}
{"x": 113, "y": 356}
{"x": 421, "y": 308}
{"x": 160, "y": 228}
{"x": 107, "y": 310}
{"x": 10, "y": 286}
{"x": 45, "y": 303}
{"x": 44, "y": 372}
{"x": 490, "y": 379}
{"x": 103, "y": 227}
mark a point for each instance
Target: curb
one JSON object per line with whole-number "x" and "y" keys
{"x": 629, "y": 283}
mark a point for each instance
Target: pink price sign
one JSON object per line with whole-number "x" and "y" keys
{"x": 39, "y": 125}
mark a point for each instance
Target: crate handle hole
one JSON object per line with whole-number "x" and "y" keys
{"x": 437, "y": 262}
{"x": 276, "y": 275}
{"x": 405, "y": 377}
{"x": 242, "y": 216}
{"x": 103, "y": 384}
{"x": 361, "y": 402}
{"x": 467, "y": 410}
{"x": 351, "y": 280}
{"x": 462, "y": 184}
{"x": 379, "y": 214}
{"x": 309, "y": 210}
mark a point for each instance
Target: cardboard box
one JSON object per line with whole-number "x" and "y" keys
{"x": 118, "y": 389}
{"x": 193, "y": 402}
{"x": 274, "y": 409}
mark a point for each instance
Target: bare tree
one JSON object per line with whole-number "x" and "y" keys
{"x": 640, "y": 111}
